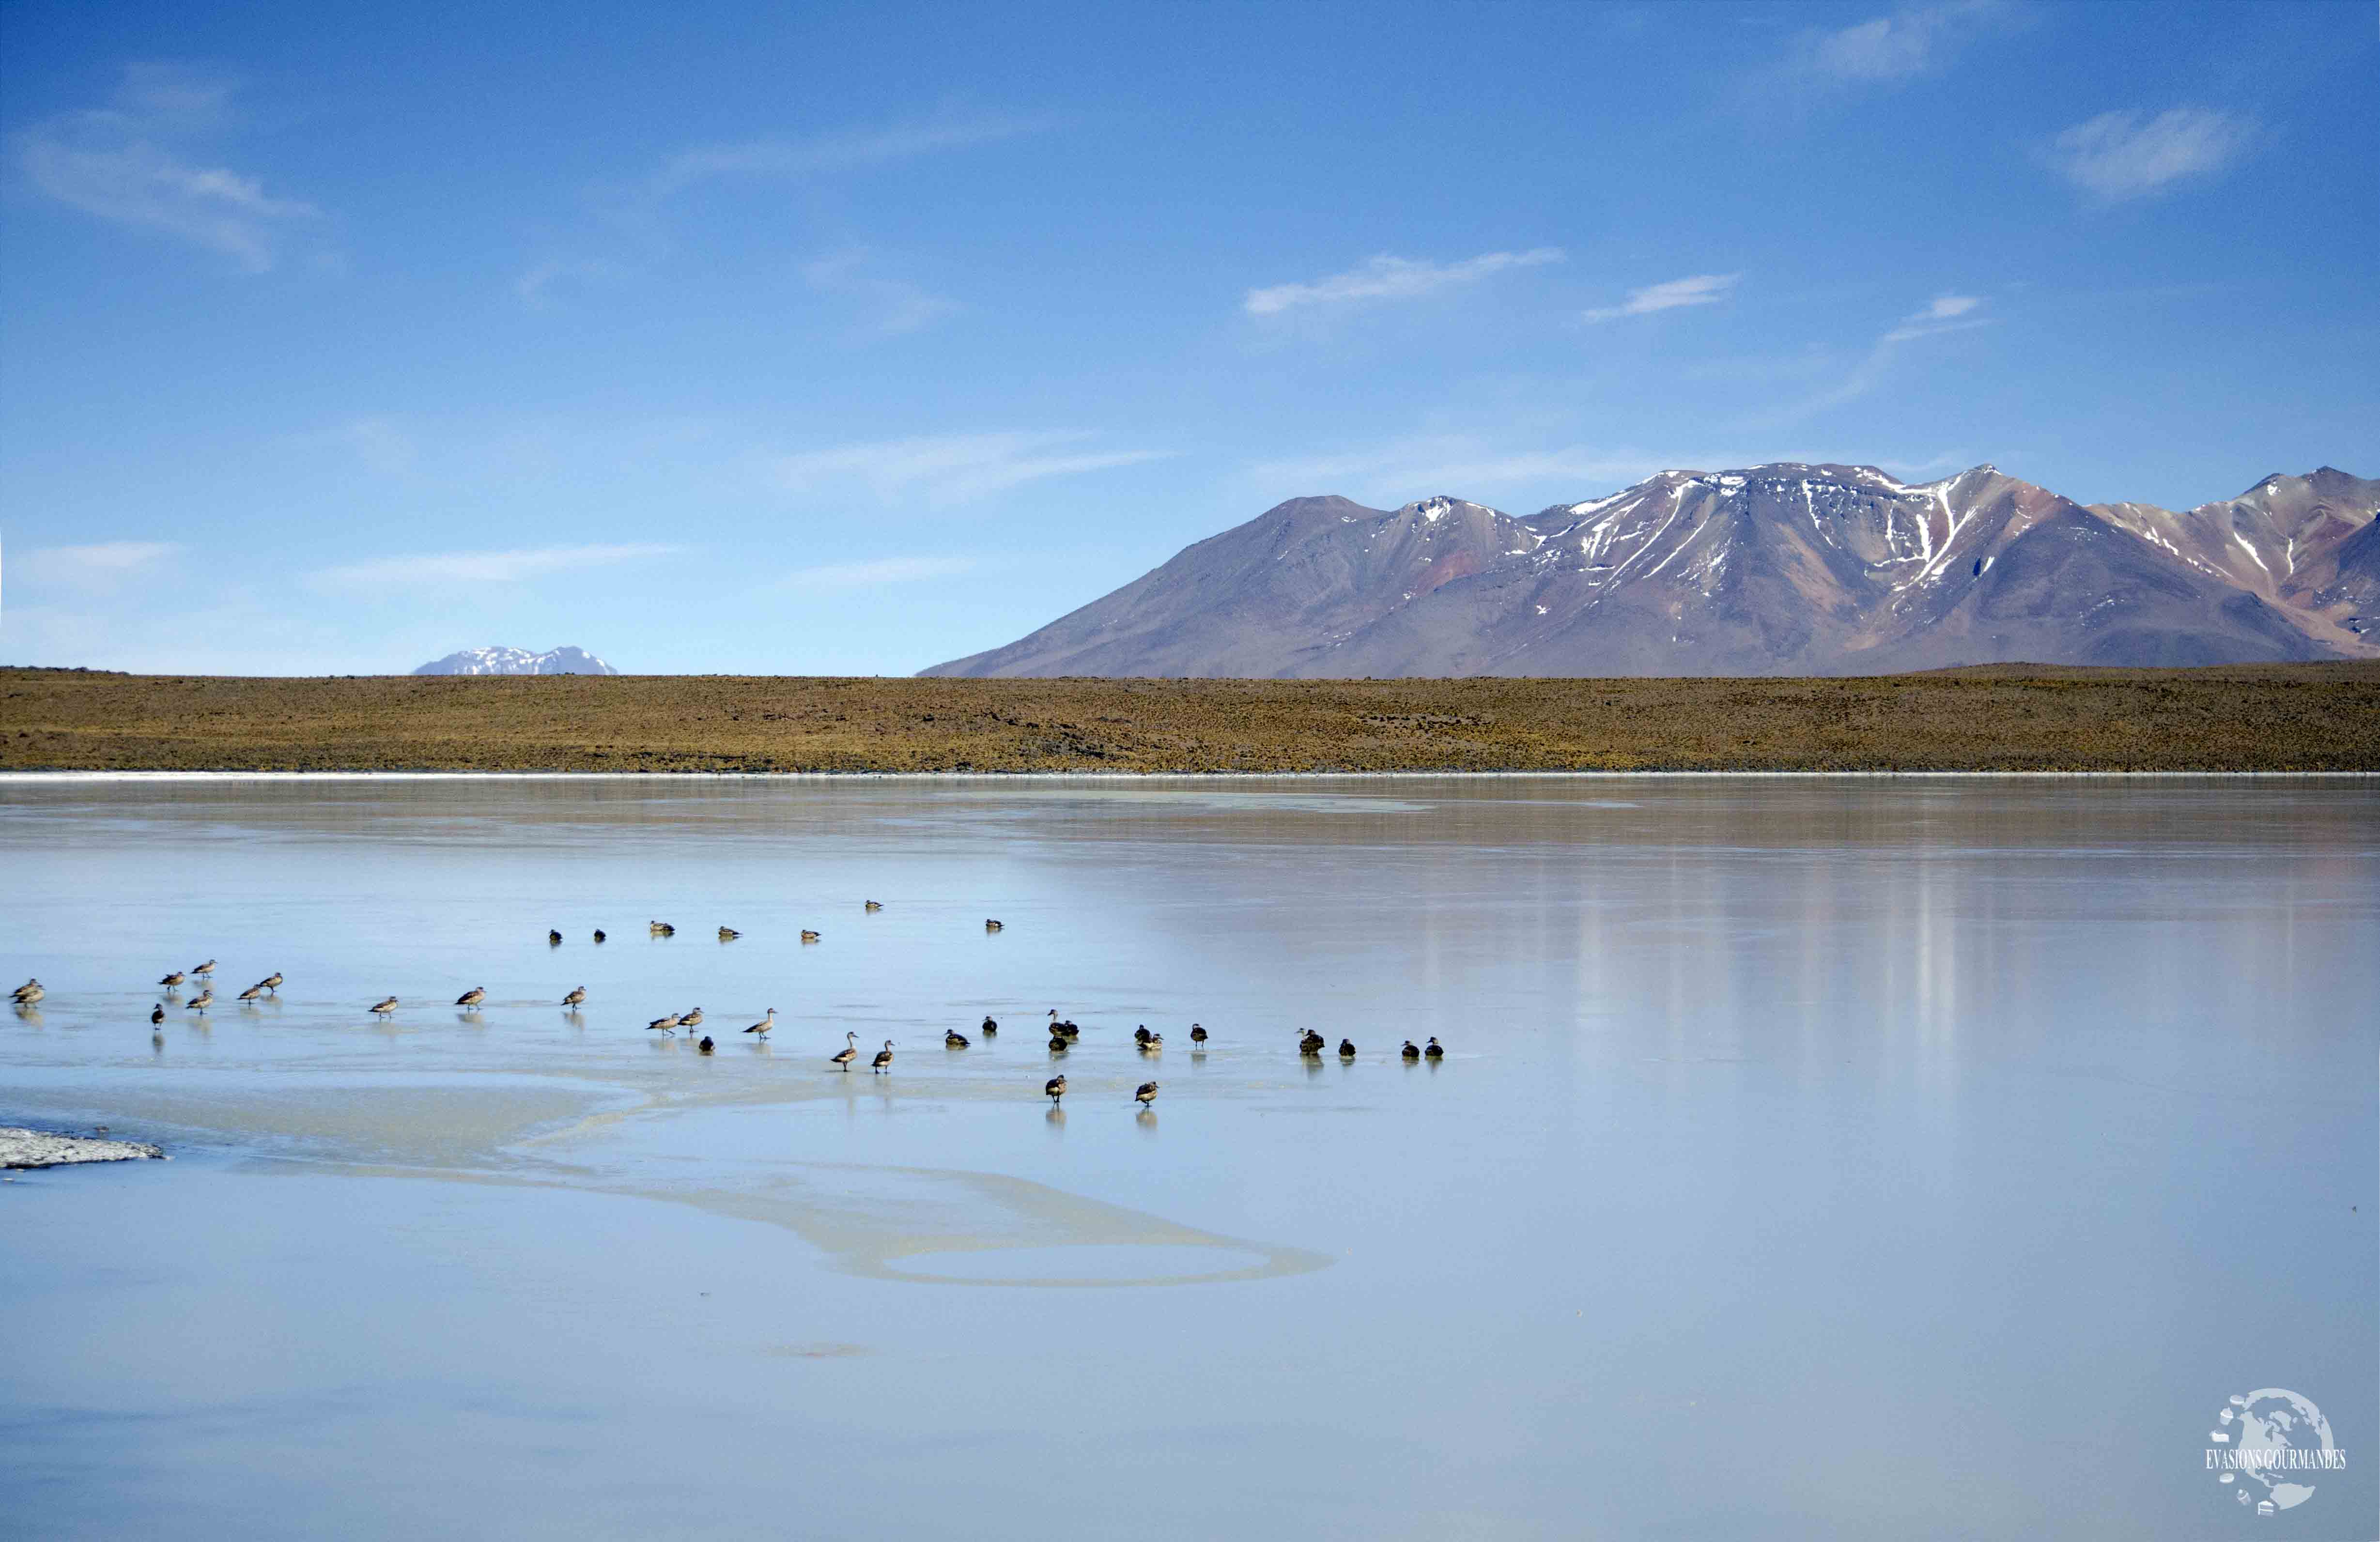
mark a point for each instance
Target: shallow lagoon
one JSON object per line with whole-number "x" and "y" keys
{"x": 1865, "y": 1156}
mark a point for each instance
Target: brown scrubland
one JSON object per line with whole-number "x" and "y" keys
{"x": 2016, "y": 717}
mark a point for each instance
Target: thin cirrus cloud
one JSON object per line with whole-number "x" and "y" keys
{"x": 639, "y": 203}
{"x": 442, "y": 569}
{"x": 884, "y": 307}
{"x": 102, "y": 565}
{"x": 2116, "y": 156}
{"x": 565, "y": 277}
{"x": 1902, "y": 46}
{"x": 131, "y": 162}
{"x": 379, "y": 444}
{"x": 1700, "y": 289}
{"x": 875, "y": 573}
{"x": 951, "y": 469}
{"x": 1393, "y": 278}
{"x": 848, "y": 150}
{"x": 1943, "y": 314}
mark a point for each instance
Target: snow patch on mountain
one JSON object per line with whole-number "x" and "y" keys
{"x": 517, "y": 661}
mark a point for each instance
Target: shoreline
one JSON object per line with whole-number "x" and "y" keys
{"x": 1122, "y": 778}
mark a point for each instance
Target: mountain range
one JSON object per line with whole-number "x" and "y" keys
{"x": 517, "y": 661}
{"x": 1778, "y": 569}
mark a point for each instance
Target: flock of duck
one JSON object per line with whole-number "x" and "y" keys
{"x": 1062, "y": 1032}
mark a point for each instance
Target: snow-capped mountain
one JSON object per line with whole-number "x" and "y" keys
{"x": 2308, "y": 543}
{"x": 517, "y": 661}
{"x": 1781, "y": 569}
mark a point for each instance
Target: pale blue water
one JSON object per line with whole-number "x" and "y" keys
{"x": 1867, "y": 1157}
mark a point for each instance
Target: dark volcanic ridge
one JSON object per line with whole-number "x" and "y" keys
{"x": 1783, "y": 569}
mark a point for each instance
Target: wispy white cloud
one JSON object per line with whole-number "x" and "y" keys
{"x": 129, "y": 162}
{"x": 1393, "y": 278}
{"x": 848, "y": 150}
{"x": 1669, "y": 295}
{"x": 1943, "y": 314}
{"x": 1913, "y": 41}
{"x": 441, "y": 569}
{"x": 381, "y": 443}
{"x": 890, "y": 306}
{"x": 873, "y": 575}
{"x": 637, "y": 205}
{"x": 565, "y": 277}
{"x": 2117, "y": 156}
{"x": 102, "y": 565}
{"x": 955, "y": 468}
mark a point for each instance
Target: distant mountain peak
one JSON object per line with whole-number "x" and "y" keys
{"x": 1436, "y": 508}
{"x": 1783, "y": 568}
{"x": 517, "y": 661}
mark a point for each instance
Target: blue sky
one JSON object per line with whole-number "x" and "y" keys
{"x": 847, "y": 339}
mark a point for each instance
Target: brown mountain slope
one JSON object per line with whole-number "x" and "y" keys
{"x": 1783, "y": 569}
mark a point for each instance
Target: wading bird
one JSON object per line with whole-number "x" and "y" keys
{"x": 203, "y": 1001}
{"x": 385, "y": 1006}
{"x": 1055, "y": 1088}
{"x": 32, "y": 991}
{"x": 577, "y": 996}
{"x": 204, "y": 970}
{"x": 663, "y": 1025}
{"x": 849, "y": 1052}
{"x": 765, "y": 1024}
{"x": 883, "y": 1060}
{"x": 252, "y": 993}
{"x": 1156, "y": 1043}
{"x": 989, "y": 1027}
{"x": 1311, "y": 1044}
{"x": 1197, "y": 1037}
{"x": 692, "y": 1019}
{"x": 1346, "y": 1048}
{"x": 173, "y": 981}
{"x": 1144, "y": 1094}
{"x": 472, "y": 997}
{"x": 272, "y": 982}
{"x": 156, "y": 1015}
{"x": 1140, "y": 1034}
{"x": 953, "y": 1039}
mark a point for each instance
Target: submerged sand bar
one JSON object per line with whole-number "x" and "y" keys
{"x": 2000, "y": 718}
